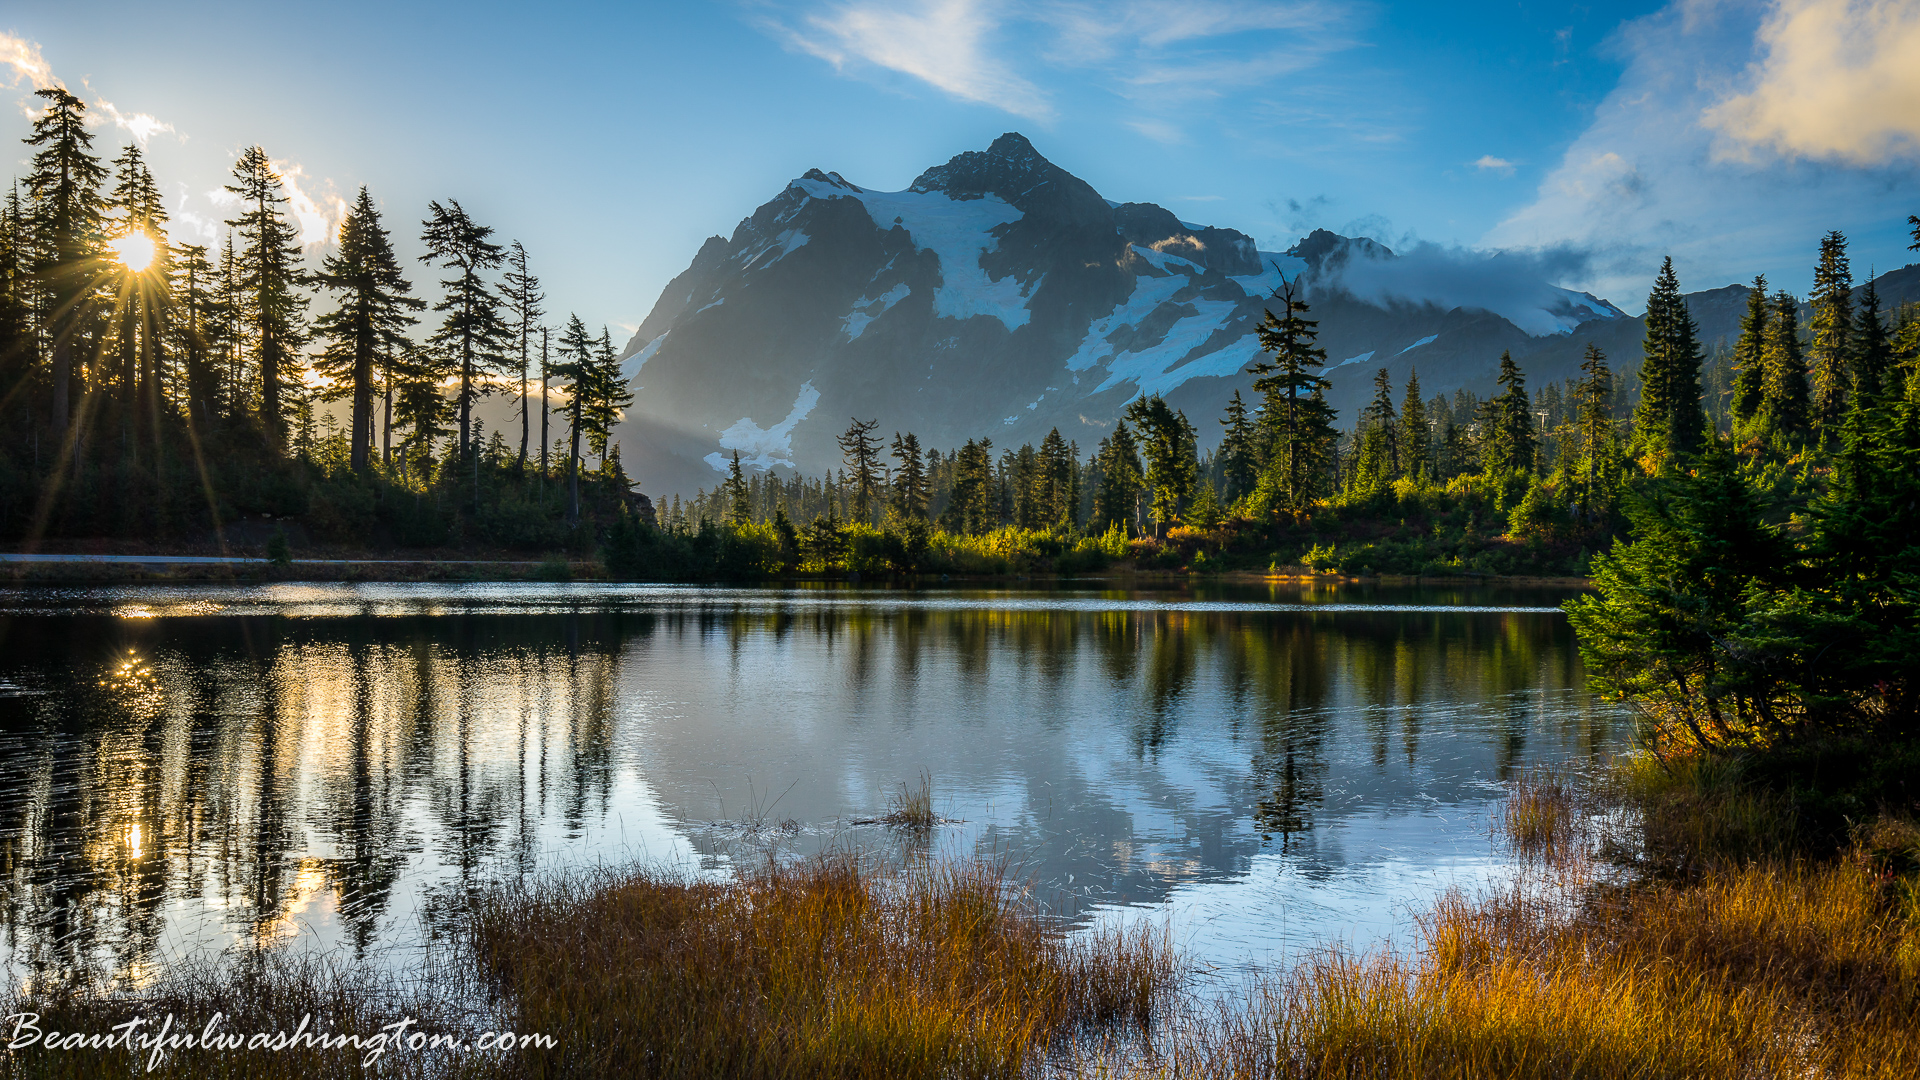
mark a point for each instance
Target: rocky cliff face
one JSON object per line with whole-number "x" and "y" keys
{"x": 1001, "y": 296}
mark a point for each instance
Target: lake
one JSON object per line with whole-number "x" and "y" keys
{"x": 336, "y": 767}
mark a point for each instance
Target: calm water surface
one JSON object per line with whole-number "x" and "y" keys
{"x": 336, "y": 767}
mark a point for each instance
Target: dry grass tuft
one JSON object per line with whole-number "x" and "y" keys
{"x": 819, "y": 970}
{"x": 912, "y": 808}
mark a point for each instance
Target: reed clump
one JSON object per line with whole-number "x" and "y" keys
{"x": 823, "y": 969}
{"x": 912, "y": 808}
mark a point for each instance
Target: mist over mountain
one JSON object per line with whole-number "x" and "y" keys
{"x": 1000, "y": 296}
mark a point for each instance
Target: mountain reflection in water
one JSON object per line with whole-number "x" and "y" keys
{"x": 333, "y": 767}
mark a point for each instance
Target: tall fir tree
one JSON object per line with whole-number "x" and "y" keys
{"x": 1166, "y": 440}
{"x": 473, "y": 334}
{"x": 1294, "y": 408}
{"x": 521, "y": 291}
{"x": 1415, "y": 433}
{"x": 1872, "y": 347}
{"x": 368, "y": 329}
{"x": 1507, "y": 441}
{"x": 1783, "y": 396}
{"x": 860, "y": 451}
{"x": 1830, "y": 340}
{"x": 909, "y": 497}
{"x": 194, "y": 330}
{"x": 1117, "y": 502}
{"x": 1239, "y": 456}
{"x": 1597, "y": 447}
{"x": 577, "y": 371}
{"x": 1055, "y": 480}
{"x": 144, "y": 271}
{"x": 19, "y": 344}
{"x": 1668, "y": 422}
{"x": 68, "y": 222}
{"x": 739, "y": 502}
{"x": 1750, "y": 355}
{"x": 270, "y": 278}
{"x": 608, "y": 396}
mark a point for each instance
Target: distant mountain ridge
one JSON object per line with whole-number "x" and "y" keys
{"x": 1000, "y": 296}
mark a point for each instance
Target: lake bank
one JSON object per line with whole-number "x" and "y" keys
{"x": 132, "y": 563}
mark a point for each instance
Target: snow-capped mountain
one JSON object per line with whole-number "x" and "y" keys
{"x": 1001, "y": 296}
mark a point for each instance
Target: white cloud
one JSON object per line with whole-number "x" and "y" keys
{"x": 1489, "y": 163}
{"x": 142, "y": 126}
{"x": 1158, "y": 130}
{"x": 1840, "y": 80}
{"x": 941, "y": 42}
{"x": 1162, "y": 56}
{"x": 24, "y": 58}
{"x": 319, "y": 216}
{"x": 1647, "y": 177}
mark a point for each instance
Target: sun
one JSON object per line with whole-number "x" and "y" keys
{"x": 135, "y": 250}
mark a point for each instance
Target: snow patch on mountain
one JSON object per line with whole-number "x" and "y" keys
{"x": 785, "y": 244}
{"x": 1361, "y": 359}
{"x": 863, "y": 312}
{"x": 958, "y": 232}
{"x": 1159, "y": 368}
{"x": 1148, "y": 294}
{"x": 1428, "y": 340}
{"x": 631, "y": 369}
{"x": 763, "y": 448}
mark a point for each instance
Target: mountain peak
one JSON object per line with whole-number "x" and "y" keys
{"x": 1012, "y": 170}
{"x": 1010, "y": 166}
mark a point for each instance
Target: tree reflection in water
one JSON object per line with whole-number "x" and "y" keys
{"x": 325, "y": 767}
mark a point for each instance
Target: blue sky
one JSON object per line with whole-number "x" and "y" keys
{"x": 612, "y": 139}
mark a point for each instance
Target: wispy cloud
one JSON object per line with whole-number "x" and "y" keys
{"x": 142, "y": 126}
{"x": 319, "y": 214}
{"x": 1649, "y": 177}
{"x": 1162, "y": 56}
{"x": 1489, "y": 163}
{"x": 1840, "y": 80}
{"x": 24, "y": 58}
{"x": 944, "y": 43}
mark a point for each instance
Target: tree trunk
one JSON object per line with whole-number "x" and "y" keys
{"x": 362, "y": 406}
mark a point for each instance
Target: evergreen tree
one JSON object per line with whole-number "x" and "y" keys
{"x": 19, "y": 345}
{"x": 521, "y": 291}
{"x": 1379, "y": 413}
{"x": 269, "y": 280}
{"x": 194, "y": 328}
{"x": 909, "y": 500}
{"x": 739, "y": 506}
{"x": 1294, "y": 410}
{"x": 230, "y": 336}
{"x": 1117, "y": 501}
{"x": 1414, "y": 431}
{"x": 1872, "y": 347}
{"x": 473, "y": 333}
{"x": 577, "y": 368}
{"x": 1058, "y": 502}
{"x": 1597, "y": 449}
{"x": 144, "y": 270}
{"x": 63, "y": 185}
{"x": 1749, "y": 355}
{"x": 1831, "y": 335}
{"x": 1507, "y": 441}
{"x": 368, "y": 329}
{"x": 1668, "y": 420}
{"x": 1239, "y": 456}
{"x": 1783, "y": 396}
{"x": 973, "y": 507}
{"x": 608, "y": 396}
{"x": 1166, "y": 438}
{"x": 861, "y": 453}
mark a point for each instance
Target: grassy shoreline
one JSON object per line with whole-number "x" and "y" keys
{"x": 1669, "y": 922}
{"x": 398, "y": 567}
